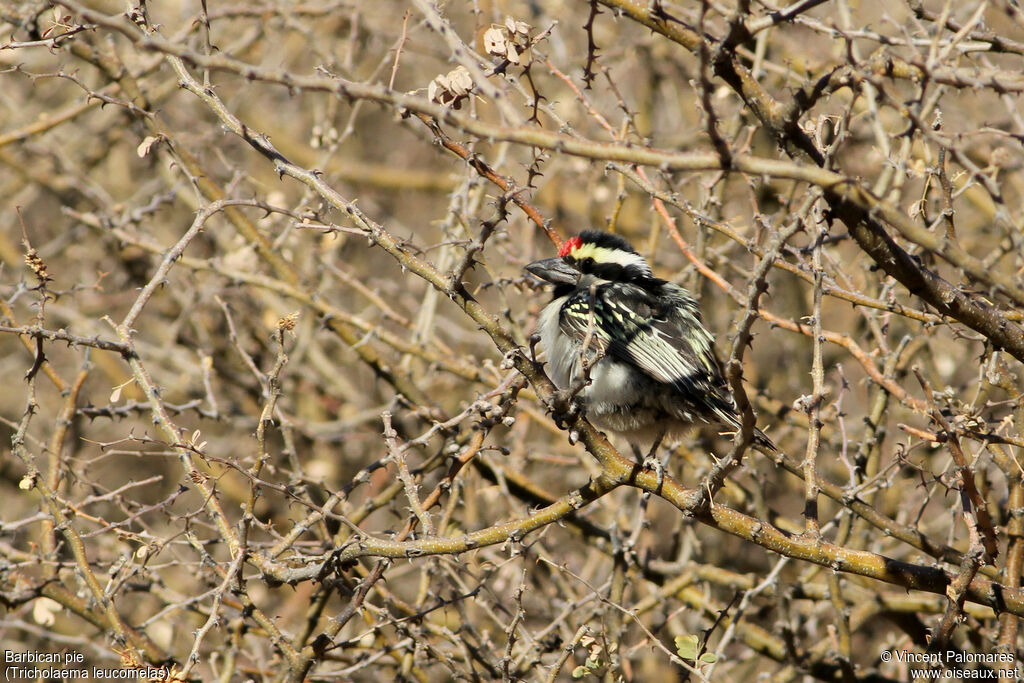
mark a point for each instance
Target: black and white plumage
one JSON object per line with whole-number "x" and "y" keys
{"x": 651, "y": 362}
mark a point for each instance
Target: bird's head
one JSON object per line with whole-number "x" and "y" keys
{"x": 592, "y": 252}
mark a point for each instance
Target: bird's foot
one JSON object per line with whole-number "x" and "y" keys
{"x": 651, "y": 462}
{"x": 564, "y": 410}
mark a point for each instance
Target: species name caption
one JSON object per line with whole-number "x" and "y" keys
{"x": 70, "y": 665}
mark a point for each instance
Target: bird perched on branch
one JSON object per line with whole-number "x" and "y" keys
{"x": 630, "y": 346}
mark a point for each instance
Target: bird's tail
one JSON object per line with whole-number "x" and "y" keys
{"x": 761, "y": 439}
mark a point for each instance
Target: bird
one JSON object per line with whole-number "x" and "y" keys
{"x": 630, "y": 347}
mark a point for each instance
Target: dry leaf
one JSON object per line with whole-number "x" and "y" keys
{"x": 146, "y": 145}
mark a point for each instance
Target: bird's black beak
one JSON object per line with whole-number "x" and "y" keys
{"x": 554, "y": 270}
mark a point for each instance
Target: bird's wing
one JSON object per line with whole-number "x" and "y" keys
{"x": 578, "y": 319}
{"x": 670, "y": 346}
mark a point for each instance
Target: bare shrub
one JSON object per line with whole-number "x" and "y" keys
{"x": 273, "y": 408}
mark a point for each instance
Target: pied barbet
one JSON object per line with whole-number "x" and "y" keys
{"x": 632, "y": 345}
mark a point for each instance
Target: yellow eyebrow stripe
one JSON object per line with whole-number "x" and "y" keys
{"x": 606, "y": 255}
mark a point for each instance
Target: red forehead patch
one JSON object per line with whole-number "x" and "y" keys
{"x": 569, "y": 246}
